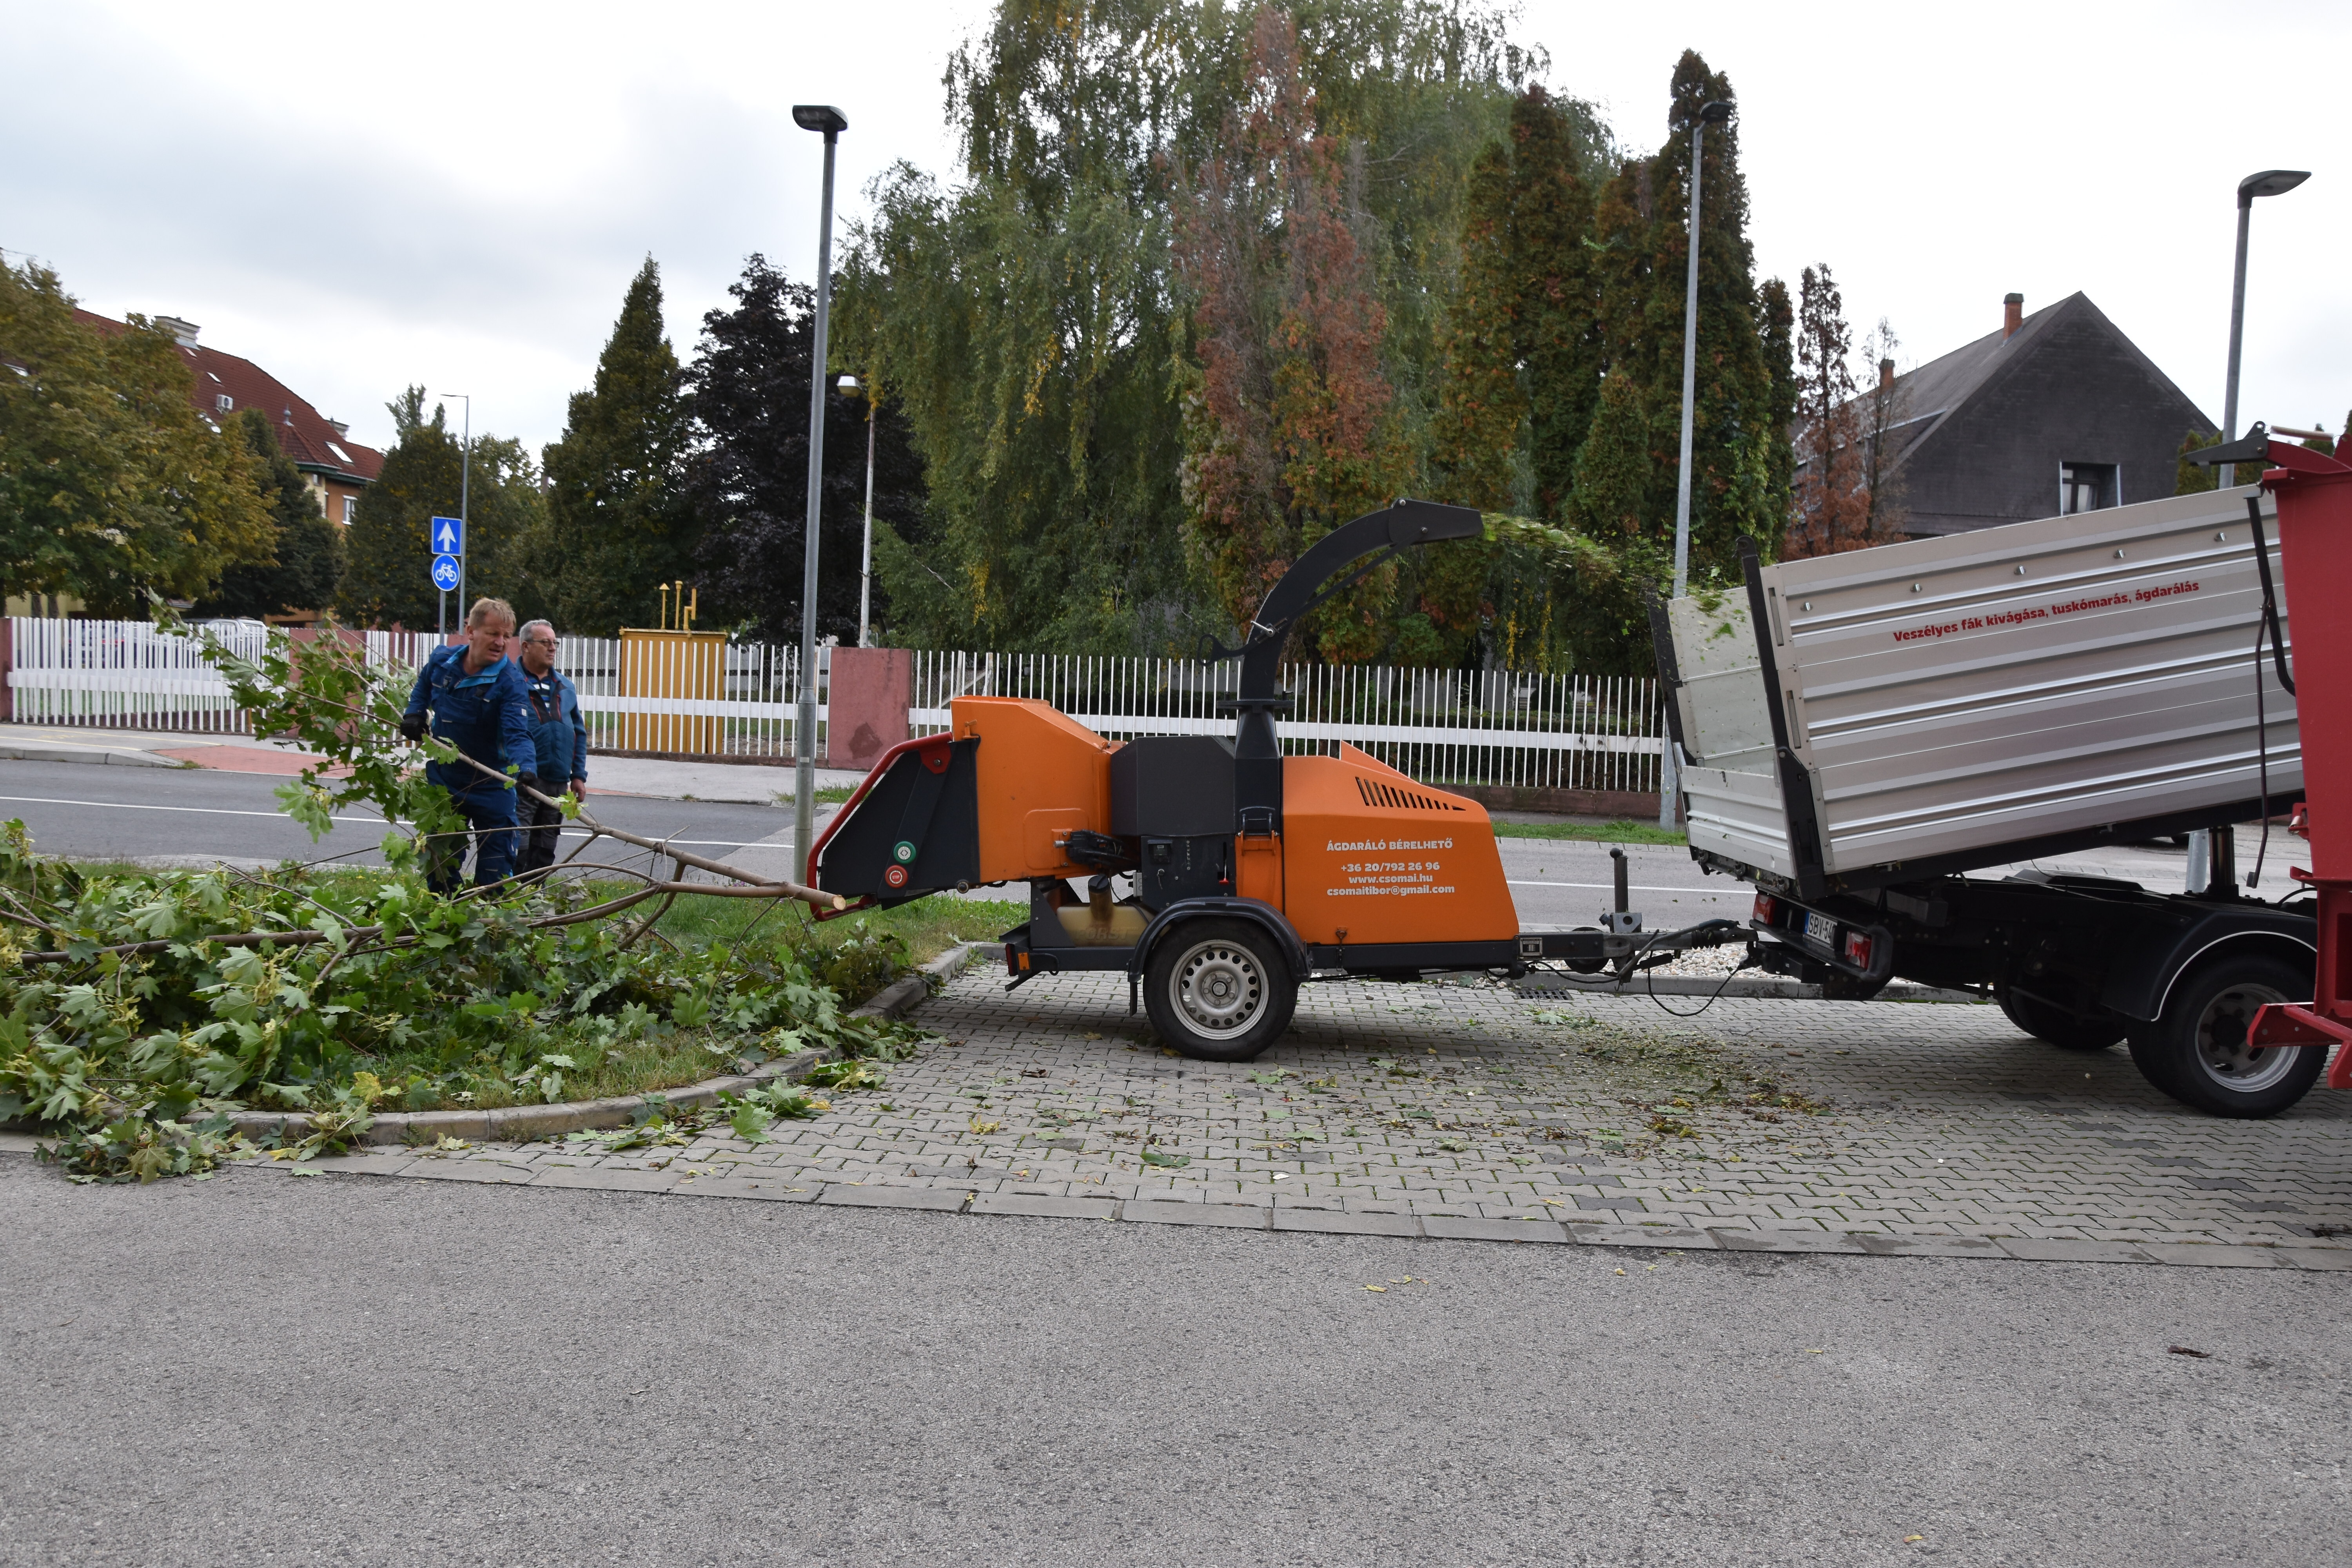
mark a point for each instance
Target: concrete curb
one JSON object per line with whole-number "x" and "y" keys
{"x": 1283, "y": 1221}
{"x": 526, "y": 1123}
{"x": 122, "y": 757}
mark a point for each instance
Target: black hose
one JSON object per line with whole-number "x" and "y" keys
{"x": 2268, "y": 627}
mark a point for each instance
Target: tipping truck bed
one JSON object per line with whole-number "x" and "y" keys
{"x": 1864, "y": 728}
{"x": 1939, "y": 705}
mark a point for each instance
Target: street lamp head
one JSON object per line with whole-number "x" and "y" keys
{"x": 1716, "y": 113}
{"x": 849, "y": 383}
{"x": 2270, "y": 183}
{"x": 819, "y": 117}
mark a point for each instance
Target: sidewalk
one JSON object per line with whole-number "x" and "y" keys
{"x": 757, "y": 785}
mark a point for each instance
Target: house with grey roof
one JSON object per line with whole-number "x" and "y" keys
{"x": 2057, "y": 412}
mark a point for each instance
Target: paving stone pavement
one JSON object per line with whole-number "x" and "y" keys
{"x": 1467, "y": 1109}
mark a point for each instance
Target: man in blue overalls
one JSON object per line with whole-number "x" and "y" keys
{"x": 479, "y": 704}
{"x": 561, "y": 737}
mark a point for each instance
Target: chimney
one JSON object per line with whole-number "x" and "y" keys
{"x": 2012, "y": 315}
{"x": 1885, "y": 373}
{"x": 338, "y": 427}
{"x": 182, "y": 333}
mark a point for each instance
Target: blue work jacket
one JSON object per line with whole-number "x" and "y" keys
{"x": 486, "y": 715}
{"x": 557, "y": 729}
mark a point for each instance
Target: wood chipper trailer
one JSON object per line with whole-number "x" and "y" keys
{"x": 1863, "y": 731}
{"x": 1252, "y": 872}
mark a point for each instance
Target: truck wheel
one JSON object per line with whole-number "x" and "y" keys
{"x": 2197, "y": 1051}
{"x": 2064, "y": 1030}
{"x": 1220, "y": 991}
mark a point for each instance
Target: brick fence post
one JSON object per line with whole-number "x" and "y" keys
{"x": 866, "y": 708}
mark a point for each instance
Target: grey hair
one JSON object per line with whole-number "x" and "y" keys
{"x": 529, "y": 627}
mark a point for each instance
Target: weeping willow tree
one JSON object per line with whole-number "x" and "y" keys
{"x": 1031, "y": 321}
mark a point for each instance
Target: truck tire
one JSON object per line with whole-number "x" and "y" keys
{"x": 1218, "y": 990}
{"x": 2064, "y": 1030}
{"x": 2197, "y": 1053}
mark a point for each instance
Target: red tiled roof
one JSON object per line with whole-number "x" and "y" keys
{"x": 302, "y": 433}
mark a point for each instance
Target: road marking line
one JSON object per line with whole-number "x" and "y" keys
{"x": 199, "y": 810}
{"x": 378, "y": 821}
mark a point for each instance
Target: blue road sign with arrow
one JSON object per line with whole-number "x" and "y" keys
{"x": 445, "y": 572}
{"x": 448, "y": 536}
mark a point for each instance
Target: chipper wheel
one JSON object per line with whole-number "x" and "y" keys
{"x": 1219, "y": 990}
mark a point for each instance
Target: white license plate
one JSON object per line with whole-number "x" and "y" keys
{"x": 1821, "y": 929}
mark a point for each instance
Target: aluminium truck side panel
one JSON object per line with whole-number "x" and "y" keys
{"x": 1943, "y": 698}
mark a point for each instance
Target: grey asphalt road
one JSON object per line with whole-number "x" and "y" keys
{"x": 73, "y": 808}
{"x": 79, "y": 810}
{"x": 1568, "y": 882}
{"x": 95, "y": 812}
{"x": 340, "y": 1369}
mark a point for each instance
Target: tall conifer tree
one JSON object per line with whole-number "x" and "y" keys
{"x": 748, "y": 478}
{"x": 386, "y": 556}
{"x": 618, "y": 524}
{"x": 1559, "y": 337}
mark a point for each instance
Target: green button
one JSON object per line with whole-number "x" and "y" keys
{"x": 905, "y": 852}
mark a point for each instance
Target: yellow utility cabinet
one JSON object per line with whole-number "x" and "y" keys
{"x": 673, "y": 663}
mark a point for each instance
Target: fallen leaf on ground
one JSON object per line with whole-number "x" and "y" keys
{"x": 1383, "y": 1289}
{"x": 1158, "y": 1157}
{"x": 2184, "y": 1349}
{"x": 985, "y": 1127}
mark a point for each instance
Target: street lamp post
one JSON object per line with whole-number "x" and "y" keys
{"x": 465, "y": 482}
{"x": 825, "y": 119}
{"x": 1669, "y": 784}
{"x": 2269, "y": 183}
{"x": 866, "y": 556}
{"x": 2211, "y": 862}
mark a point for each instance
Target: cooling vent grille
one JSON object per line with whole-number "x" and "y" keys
{"x": 1378, "y": 793}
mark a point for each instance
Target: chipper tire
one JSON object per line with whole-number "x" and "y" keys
{"x": 1218, "y": 990}
{"x": 2064, "y": 1030}
{"x": 2195, "y": 1052}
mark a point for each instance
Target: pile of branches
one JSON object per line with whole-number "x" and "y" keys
{"x": 141, "y": 1008}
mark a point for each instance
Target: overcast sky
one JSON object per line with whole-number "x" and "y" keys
{"x": 358, "y": 197}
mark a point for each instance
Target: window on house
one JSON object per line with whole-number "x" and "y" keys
{"x": 350, "y": 507}
{"x": 2087, "y": 486}
{"x": 223, "y": 402}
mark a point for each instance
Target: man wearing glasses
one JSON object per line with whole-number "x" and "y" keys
{"x": 561, "y": 739}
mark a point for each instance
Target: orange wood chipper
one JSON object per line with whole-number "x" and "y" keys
{"x": 1252, "y": 872}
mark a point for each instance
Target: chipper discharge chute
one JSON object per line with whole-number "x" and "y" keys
{"x": 1249, "y": 872}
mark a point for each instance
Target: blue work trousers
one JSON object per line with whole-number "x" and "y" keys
{"x": 489, "y": 812}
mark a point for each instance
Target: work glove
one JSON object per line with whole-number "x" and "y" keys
{"x": 412, "y": 726}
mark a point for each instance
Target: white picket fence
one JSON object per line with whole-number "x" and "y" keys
{"x": 755, "y": 715}
{"x": 1451, "y": 727}
{"x": 1441, "y": 726}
